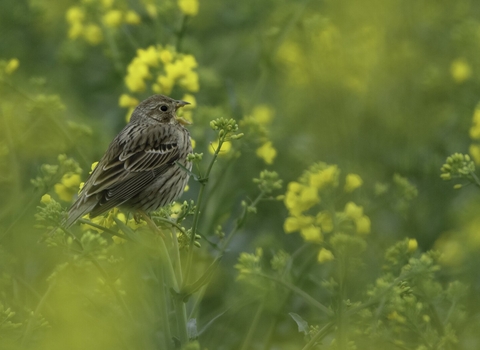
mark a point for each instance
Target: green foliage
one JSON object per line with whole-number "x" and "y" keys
{"x": 353, "y": 106}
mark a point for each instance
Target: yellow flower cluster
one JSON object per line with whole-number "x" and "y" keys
{"x": 474, "y": 149}
{"x": 188, "y": 7}
{"x": 12, "y": 66}
{"x": 168, "y": 68}
{"x": 161, "y": 69}
{"x": 260, "y": 119}
{"x": 83, "y": 19}
{"x": 108, "y": 221}
{"x": 303, "y": 200}
{"x": 460, "y": 70}
{"x": 68, "y": 186}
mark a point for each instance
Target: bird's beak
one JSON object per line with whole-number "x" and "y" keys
{"x": 178, "y": 104}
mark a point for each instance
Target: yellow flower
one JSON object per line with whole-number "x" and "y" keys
{"x": 46, "y": 198}
{"x": 300, "y": 198}
{"x": 75, "y": 14}
{"x": 75, "y": 30}
{"x": 12, "y": 66}
{"x": 226, "y": 147}
{"x": 107, "y": 3}
{"x": 165, "y": 83}
{"x": 412, "y": 245}
{"x": 193, "y": 143}
{"x": 324, "y": 255}
{"x": 325, "y": 177}
{"x": 113, "y": 18}
{"x": 135, "y": 83}
{"x": 312, "y": 234}
{"x": 151, "y": 10}
{"x": 353, "y": 211}
{"x": 188, "y": 7}
{"x": 474, "y": 151}
{"x": 190, "y": 82}
{"x": 293, "y": 224}
{"x": 67, "y": 187}
{"x": 363, "y": 225}
{"x": 453, "y": 252}
{"x": 93, "y": 34}
{"x": 263, "y": 114}
{"x": 92, "y": 167}
{"x": 267, "y": 152}
{"x": 352, "y": 182}
{"x": 460, "y": 70}
{"x": 131, "y": 17}
{"x": 127, "y": 101}
{"x": 394, "y": 316}
{"x": 475, "y": 128}
{"x": 324, "y": 219}
{"x": 165, "y": 56}
{"x": 148, "y": 56}
{"x": 189, "y": 62}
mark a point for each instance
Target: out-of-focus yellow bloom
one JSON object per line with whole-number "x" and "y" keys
{"x": 75, "y": 14}
{"x": 151, "y": 10}
{"x": 188, "y": 7}
{"x": 148, "y": 56}
{"x": 460, "y": 70}
{"x": 352, "y": 182}
{"x": 363, "y": 225}
{"x": 186, "y": 188}
{"x": 12, "y": 66}
{"x": 193, "y": 143}
{"x": 226, "y": 147}
{"x": 394, "y": 316}
{"x": 113, "y": 18}
{"x": 267, "y": 152}
{"x": 93, "y": 34}
{"x": 475, "y": 128}
{"x": 46, "y": 198}
{"x": 325, "y": 177}
{"x": 190, "y": 81}
{"x": 324, "y": 219}
{"x": 75, "y": 30}
{"x": 353, "y": 211}
{"x": 131, "y": 17}
{"x": 126, "y": 100}
{"x": 412, "y": 245}
{"x": 293, "y": 224}
{"x": 324, "y": 255}
{"x": 165, "y": 56}
{"x": 92, "y": 167}
{"x": 474, "y": 151}
{"x": 263, "y": 114}
{"x": 67, "y": 187}
{"x": 107, "y": 3}
{"x": 300, "y": 198}
{"x": 312, "y": 234}
{"x": 453, "y": 252}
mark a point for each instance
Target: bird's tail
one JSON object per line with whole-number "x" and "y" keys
{"x": 78, "y": 209}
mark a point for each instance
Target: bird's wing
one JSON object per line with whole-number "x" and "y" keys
{"x": 134, "y": 158}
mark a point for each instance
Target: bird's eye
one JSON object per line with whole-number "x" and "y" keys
{"x": 164, "y": 108}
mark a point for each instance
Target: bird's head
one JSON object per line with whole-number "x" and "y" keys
{"x": 161, "y": 108}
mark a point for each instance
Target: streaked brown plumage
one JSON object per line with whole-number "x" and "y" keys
{"x": 138, "y": 170}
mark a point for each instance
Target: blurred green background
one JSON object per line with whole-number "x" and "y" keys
{"x": 377, "y": 87}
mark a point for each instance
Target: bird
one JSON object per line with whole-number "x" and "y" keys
{"x": 145, "y": 166}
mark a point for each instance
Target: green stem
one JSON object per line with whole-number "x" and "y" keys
{"x": 164, "y": 311}
{"x": 301, "y": 293}
{"x": 253, "y": 326}
{"x": 171, "y": 282}
{"x": 240, "y": 222}
{"x": 320, "y": 334}
{"x": 38, "y": 309}
{"x": 196, "y": 215}
{"x": 104, "y": 229}
{"x": 181, "y": 33}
